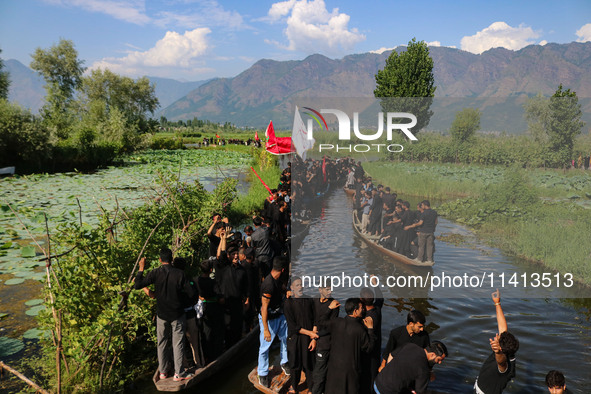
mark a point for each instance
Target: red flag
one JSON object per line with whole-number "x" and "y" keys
{"x": 277, "y": 146}
{"x": 217, "y": 136}
{"x": 256, "y": 135}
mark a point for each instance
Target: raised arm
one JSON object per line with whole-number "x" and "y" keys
{"x": 501, "y": 321}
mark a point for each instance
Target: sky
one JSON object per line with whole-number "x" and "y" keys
{"x": 193, "y": 40}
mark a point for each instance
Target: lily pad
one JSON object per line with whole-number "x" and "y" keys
{"x": 28, "y": 251}
{"x": 9, "y": 346}
{"x": 34, "y": 333}
{"x": 34, "y": 311}
{"x": 14, "y": 281}
{"x": 36, "y": 301}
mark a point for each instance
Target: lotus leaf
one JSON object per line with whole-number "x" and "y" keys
{"x": 10, "y": 346}
{"x": 33, "y": 302}
{"x": 15, "y": 281}
{"x": 28, "y": 251}
{"x": 34, "y": 311}
{"x": 34, "y": 333}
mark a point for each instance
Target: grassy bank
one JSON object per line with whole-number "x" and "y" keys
{"x": 266, "y": 166}
{"x": 539, "y": 215}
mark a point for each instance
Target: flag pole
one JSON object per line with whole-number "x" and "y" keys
{"x": 264, "y": 184}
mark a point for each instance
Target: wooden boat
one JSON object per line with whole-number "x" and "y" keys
{"x": 220, "y": 364}
{"x": 372, "y": 242}
{"x": 7, "y": 170}
{"x": 279, "y": 382}
{"x": 350, "y": 192}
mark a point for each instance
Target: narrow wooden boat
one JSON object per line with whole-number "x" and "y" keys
{"x": 350, "y": 192}
{"x": 279, "y": 382}
{"x": 372, "y": 242}
{"x": 7, "y": 170}
{"x": 220, "y": 364}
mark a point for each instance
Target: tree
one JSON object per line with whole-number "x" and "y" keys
{"x": 465, "y": 124}
{"x": 4, "y": 81}
{"x": 555, "y": 123}
{"x": 406, "y": 83}
{"x": 62, "y": 71}
{"x": 105, "y": 91}
{"x": 564, "y": 124}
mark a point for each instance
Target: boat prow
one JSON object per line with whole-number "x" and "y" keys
{"x": 220, "y": 364}
{"x": 279, "y": 382}
{"x": 371, "y": 241}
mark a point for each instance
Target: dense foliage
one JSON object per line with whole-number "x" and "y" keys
{"x": 406, "y": 83}
{"x": 105, "y": 326}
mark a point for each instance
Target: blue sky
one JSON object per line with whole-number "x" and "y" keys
{"x": 200, "y": 39}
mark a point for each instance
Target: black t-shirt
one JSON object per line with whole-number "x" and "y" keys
{"x": 322, "y": 315}
{"x": 490, "y": 380}
{"x": 399, "y": 337}
{"x": 172, "y": 290}
{"x": 429, "y": 217}
{"x": 214, "y": 242}
{"x": 409, "y": 370}
{"x": 274, "y": 288}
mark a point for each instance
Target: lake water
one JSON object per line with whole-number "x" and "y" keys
{"x": 554, "y": 329}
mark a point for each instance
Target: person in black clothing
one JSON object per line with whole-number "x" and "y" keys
{"x": 301, "y": 337}
{"x": 232, "y": 280}
{"x": 409, "y": 369}
{"x": 170, "y": 288}
{"x": 351, "y": 336}
{"x": 246, "y": 256}
{"x": 499, "y": 368}
{"x": 211, "y": 321}
{"x": 213, "y": 233}
{"x": 326, "y": 308}
{"x": 412, "y": 332}
{"x": 427, "y": 223}
{"x": 373, "y": 302}
{"x": 262, "y": 245}
{"x": 194, "y": 356}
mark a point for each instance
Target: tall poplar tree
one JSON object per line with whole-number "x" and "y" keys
{"x": 406, "y": 83}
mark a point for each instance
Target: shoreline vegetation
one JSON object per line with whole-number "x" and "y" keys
{"x": 542, "y": 216}
{"x": 91, "y": 319}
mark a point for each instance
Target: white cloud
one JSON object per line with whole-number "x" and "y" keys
{"x": 499, "y": 34}
{"x": 543, "y": 42}
{"x": 311, "y": 28}
{"x": 174, "y": 50}
{"x": 382, "y": 50}
{"x": 584, "y": 33}
{"x": 434, "y": 44}
{"x": 133, "y": 11}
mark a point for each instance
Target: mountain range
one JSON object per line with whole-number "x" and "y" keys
{"x": 26, "y": 87}
{"x": 266, "y": 89}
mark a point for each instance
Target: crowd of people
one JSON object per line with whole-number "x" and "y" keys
{"x": 390, "y": 220}
{"x": 246, "y": 283}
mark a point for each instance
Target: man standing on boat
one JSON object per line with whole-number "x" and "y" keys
{"x": 171, "y": 288}
{"x": 271, "y": 320}
{"x": 351, "y": 336}
{"x": 326, "y": 308}
{"x": 426, "y": 234}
